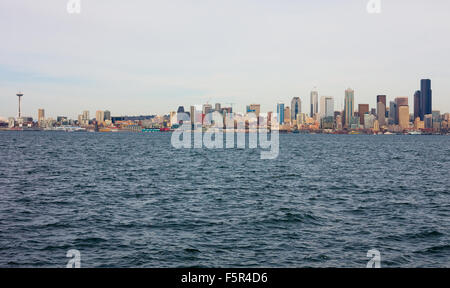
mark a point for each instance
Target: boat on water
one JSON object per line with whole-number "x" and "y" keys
{"x": 415, "y": 133}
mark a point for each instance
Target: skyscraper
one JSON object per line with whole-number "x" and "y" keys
{"x": 207, "y": 108}
{"x": 100, "y": 116}
{"x": 41, "y": 117}
{"x": 314, "y": 103}
{"x": 400, "y": 101}
{"x": 218, "y": 107}
{"x": 381, "y": 109}
{"x": 254, "y": 108}
{"x": 280, "y": 112}
{"x": 417, "y": 104}
{"x": 329, "y": 107}
{"x": 426, "y": 97}
{"x": 287, "y": 115}
{"x": 296, "y": 108}
{"x": 348, "y": 108}
{"x": 403, "y": 116}
{"x": 392, "y": 112}
{"x": 107, "y": 115}
{"x": 363, "y": 109}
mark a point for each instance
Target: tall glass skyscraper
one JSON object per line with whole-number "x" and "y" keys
{"x": 314, "y": 103}
{"x": 349, "y": 103}
{"x": 417, "y": 105}
{"x": 426, "y": 97}
{"x": 280, "y": 112}
{"x": 296, "y": 108}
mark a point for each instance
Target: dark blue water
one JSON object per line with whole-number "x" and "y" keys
{"x": 126, "y": 199}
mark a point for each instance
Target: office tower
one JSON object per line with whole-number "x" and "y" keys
{"x": 107, "y": 115}
{"x": 192, "y": 115}
{"x": 180, "y": 109}
{"x": 363, "y": 109}
{"x": 400, "y": 101}
{"x": 369, "y": 120}
{"x": 428, "y": 119}
{"x": 314, "y": 103}
{"x": 85, "y": 118}
{"x": 403, "y": 116}
{"x": 426, "y": 97}
{"x": 373, "y": 111}
{"x": 207, "y": 108}
{"x": 41, "y": 117}
{"x": 392, "y": 112}
{"x": 329, "y": 107}
{"x": 381, "y": 109}
{"x": 348, "y": 108}
{"x": 280, "y": 112}
{"x": 254, "y": 108}
{"x": 218, "y": 107}
{"x": 296, "y": 108}
{"x": 417, "y": 104}
{"x": 100, "y": 116}
{"x": 287, "y": 115}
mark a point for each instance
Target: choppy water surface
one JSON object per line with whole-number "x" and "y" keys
{"x": 129, "y": 199}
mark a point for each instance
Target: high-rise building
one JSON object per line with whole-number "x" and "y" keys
{"x": 287, "y": 115}
{"x": 381, "y": 109}
{"x": 41, "y": 117}
{"x": 329, "y": 107}
{"x": 218, "y": 107}
{"x": 100, "y": 116}
{"x": 280, "y": 112}
{"x": 207, "y": 108}
{"x": 314, "y": 103}
{"x": 107, "y": 115}
{"x": 254, "y": 108}
{"x": 296, "y": 108}
{"x": 348, "y": 108}
{"x": 426, "y": 97}
{"x": 363, "y": 109}
{"x": 403, "y": 116}
{"x": 192, "y": 115}
{"x": 392, "y": 113}
{"x": 400, "y": 101}
{"x": 417, "y": 104}
{"x": 85, "y": 118}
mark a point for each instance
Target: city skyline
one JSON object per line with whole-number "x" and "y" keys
{"x": 70, "y": 63}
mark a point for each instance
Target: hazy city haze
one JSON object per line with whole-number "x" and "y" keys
{"x": 149, "y": 57}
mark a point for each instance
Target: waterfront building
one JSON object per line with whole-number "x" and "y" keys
{"x": 287, "y": 115}
{"x": 381, "y": 109}
{"x": 349, "y": 108}
{"x": 363, "y": 109}
{"x": 280, "y": 113}
{"x": 425, "y": 97}
{"x": 314, "y": 100}
{"x": 419, "y": 124}
{"x": 296, "y": 108}
{"x": 41, "y": 117}
{"x": 417, "y": 104}
{"x": 85, "y": 118}
{"x": 107, "y": 115}
{"x": 254, "y": 108}
{"x": 207, "y": 108}
{"x": 369, "y": 120}
{"x": 392, "y": 113}
{"x": 403, "y": 116}
{"x": 99, "y": 116}
{"x": 428, "y": 119}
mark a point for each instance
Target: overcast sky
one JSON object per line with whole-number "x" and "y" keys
{"x": 149, "y": 57}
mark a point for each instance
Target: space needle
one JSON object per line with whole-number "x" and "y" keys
{"x": 20, "y": 97}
